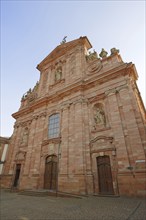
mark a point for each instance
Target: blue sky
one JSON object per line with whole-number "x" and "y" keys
{"x": 30, "y": 30}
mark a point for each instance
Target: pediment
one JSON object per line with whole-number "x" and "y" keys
{"x": 62, "y": 49}
{"x": 101, "y": 139}
{"x": 101, "y": 144}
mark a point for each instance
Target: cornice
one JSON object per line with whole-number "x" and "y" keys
{"x": 4, "y": 140}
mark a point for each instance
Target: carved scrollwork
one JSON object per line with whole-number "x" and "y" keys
{"x": 94, "y": 67}
{"x": 25, "y": 123}
{"x": 20, "y": 155}
{"x": 43, "y": 114}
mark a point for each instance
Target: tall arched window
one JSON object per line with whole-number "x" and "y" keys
{"x": 54, "y": 126}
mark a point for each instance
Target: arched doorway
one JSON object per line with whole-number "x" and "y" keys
{"x": 50, "y": 177}
{"x": 104, "y": 175}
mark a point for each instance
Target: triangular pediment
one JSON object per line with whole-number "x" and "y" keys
{"x": 62, "y": 49}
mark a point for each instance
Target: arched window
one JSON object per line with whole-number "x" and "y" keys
{"x": 54, "y": 126}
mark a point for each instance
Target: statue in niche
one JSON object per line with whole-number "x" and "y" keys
{"x": 24, "y": 139}
{"x": 99, "y": 116}
{"x": 58, "y": 74}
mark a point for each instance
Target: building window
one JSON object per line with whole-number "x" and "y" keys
{"x": 54, "y": 126}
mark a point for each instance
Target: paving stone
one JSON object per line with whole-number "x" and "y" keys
{"x": 21, "y": 207}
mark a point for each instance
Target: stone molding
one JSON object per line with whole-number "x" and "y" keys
{"x": 28, "y": 122}
{"x": 97, "y": 98}
{"x": 56, "y": 83}
{"x": 67, "y": 104}
{"x": 51, "y": 140}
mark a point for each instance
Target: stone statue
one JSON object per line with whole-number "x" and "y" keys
{"x": 99, "y": 116}
{"x": 92, "y": 56}
{"x": 114, "y": 51}
{"x": 36, "y": 86}
{"x": 64, "y": 40}
{"x": 103, "y": 53}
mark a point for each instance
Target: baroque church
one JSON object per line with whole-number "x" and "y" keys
{"x": 80, "y": 130}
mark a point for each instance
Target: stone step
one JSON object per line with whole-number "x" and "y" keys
{"x": 47, "y": 193}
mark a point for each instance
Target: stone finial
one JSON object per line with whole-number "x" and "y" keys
{"x": 103, "y": 53}
{"x": 114, "y": 51}
{"x": 29, "y": 91}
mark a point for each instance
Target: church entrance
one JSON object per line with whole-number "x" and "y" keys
{"x": 50, "y": 178}
{"x": 17, "y": 175}
{"x": 104, "y": 175}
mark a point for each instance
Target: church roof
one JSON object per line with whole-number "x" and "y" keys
{"x": 62, "y": 49}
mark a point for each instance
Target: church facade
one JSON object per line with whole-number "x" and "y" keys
{"x": 81, "y": 128}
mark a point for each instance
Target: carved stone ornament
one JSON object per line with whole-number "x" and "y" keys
{"x": 102, "y": 144}
{"x": 94, "y": 67}
{"x": 20, "y": 155}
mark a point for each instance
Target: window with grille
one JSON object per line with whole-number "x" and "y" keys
{"x": 54, "y": 126}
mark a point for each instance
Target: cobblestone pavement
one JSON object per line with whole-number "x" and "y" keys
{"x": 22, "y": 207}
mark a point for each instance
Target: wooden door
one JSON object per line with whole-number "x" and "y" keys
{"x": 50, "y": 177}
{"x": 104, "y": 175}
{"x": 17, "y": 175}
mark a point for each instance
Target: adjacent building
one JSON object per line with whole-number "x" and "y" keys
{"x": 81, "y": 128}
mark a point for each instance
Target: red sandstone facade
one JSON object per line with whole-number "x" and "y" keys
{"x": 81, "y": 129}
